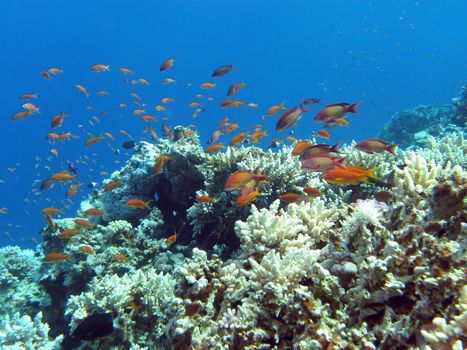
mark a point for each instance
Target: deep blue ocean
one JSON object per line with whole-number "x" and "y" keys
{"x": 392, "y": 55}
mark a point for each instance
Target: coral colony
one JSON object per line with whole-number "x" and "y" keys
{"x": 181, "y": 255}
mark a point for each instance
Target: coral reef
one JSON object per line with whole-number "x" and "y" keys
{"x": 377, "y": 265}
{"x": 25, "y": 333}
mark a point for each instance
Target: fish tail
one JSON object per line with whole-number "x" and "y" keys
{"x": 392, "y": 149}
{"x": 146, "y": 204}
{"x": 341, "y": 163}
{"x": 335, "y": 148}
{"x": 352, "y": 107}
{"x": 372, "y": 174}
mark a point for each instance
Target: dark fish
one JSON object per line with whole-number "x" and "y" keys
{"x": 95, "y": 326}
{"x": 128, "y": 144}
{"x": 46, "y": 184}
{"x": 72, "y": 169}
{"x": 311, "y": 101}
{"x": 222, "y": 70}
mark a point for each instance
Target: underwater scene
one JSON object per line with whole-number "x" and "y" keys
{"x": 195, "y": 175}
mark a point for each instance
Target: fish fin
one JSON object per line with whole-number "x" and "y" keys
{"x": 335, "y": 148}
{"x": 372, "y": 174}
{"x": 392, "y": 149}
{"x": 341, "y": 163}
{"x": 352, "y": 107}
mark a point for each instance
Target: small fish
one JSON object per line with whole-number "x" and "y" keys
{"x": 119, "y": 257}
{"x": 166, "y": 64}
{"x": 247, "y": 199}
{"x": 375, "y": 146}
{"x": 138, "y": 204}
{"x": 21, "y": 115}
{"x": 222, "y": 70}
{"x": 50, "y": 211}
{"x": 310, "y": 101}
{"x": 84, "y": 223}
{"x": 214, "y": 148}
{"x": 30, "y": 107}
{"x": 62, "y": 176}
{"x": 55, "y": 71}
{"x": 208, "y": 85}
{"x": 143, "y": 81}
{"x": 86, "y": 249}
{"x": 168, "y": 81}
{"x": 166, "y": 100}
{"x": 55, "y": 258}
{"x": 300, "y": 147}
{"x": 112, "y": 185}
{"x": 128, "y": 144}
{"x": 69, "y": 233}
{"x": 148, "y": 118}
{"x": 215, "y": 136}
{"x": 172, "y": 238}
{"x": 383, "y": 196}
{"x": 72, "y": 190}
{"x": 238, "y": 138}
{"x": 311, "y": 191}
{"x": 323, "y": 163}
{"x": 93, "y": 212}
{"x": 231, "y": 103}
{"x": 94, "y": 327}
{"x": 324, "y": 134}
{"x": 92, "y": 140}
{"x": 44, "y": 74}
{"x": 235, "y": 87}
{"x": 317, "y": 149}
{"x": 26, "y": 96}
{"x": 334, "y": 111}
{"x": 241, "y": 178}
{"x": 205, "y": 199}
{"x": 82, "y": 89}
{"x": 126, "y": 70}
{"x": 274, "y": 109}
{"x": 350, "y": 175}
{"x": 290, "y": 118}
{"x": 57, "y": 120}
{"x": 100, "y": 68}
{"x": 159, "y": 163}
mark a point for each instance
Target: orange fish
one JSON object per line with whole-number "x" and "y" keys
{"x": 334, "y": 111}
{"x": 235, "y": 87}
{"x": 92, "y": 140}
{"x": 99, "y": 68}
{"x": 57, "y": 120}
{"x": 247, "y": 198}
{"x": 207, "y": 85}
{"x": 126, "y": 70}
{"x": 241, "y": 178}
{"x": 231, "y": 103}
{"x": 205, "y": 199}
{"x": 290, "y": 118}
{"x": 86, "y": 249}
{"x": 159, "y": 163}
{"x": 44, "y": 74}
{"x": 290, "y": 197}
{"x": 230, "y": 128}
{"x": 194, "y": 104}
{"x": 214, "y": 148}
{"x": 349, "y": 175}
{"x": 30, "y": 107}
{"x": 290, "y": 139}
{"x": 20, "y": 115}
{"x": 93, "y": 212}
{"x": 167, "y": 100}
{"x": 375, "y": 146}
{"x": 274, "y": 109}
{"x": 84, "y": 223}
{"x": 82, "y": 90}
{"x": 102, "y": 93}
{"x": 257, "y": 135}
{"x": 51, "y": 223}
{"x": 54, "y": 152}
{"x": 122, "y": 105}
{"x": 323, "y": 133}
{"x": 28, "y": 96}
{"x": 72, "y": 190}
{"x": 55, "y": 257}
{"x": 238, "y": 138}
{"x": 69, "y": 233}
{"x": 166, "y": 64}
{"x": 138, "y": 204}
{"x": 159, "y": 108}
{"x": 109, "y": 136}
{"x": 119, "y": 257}
{"x": 300, "y": 147}
{"x": 62, "y": 176}
{"x": 143, "y": 81}
{"x": 148, "y": 118}
{"x": 312, "y": 191}
{"x": 55, "y": 71}
{"x": 139, "y": 111}
{"x": 50, "y": 211}
{"x": 172, "y": 238}
{"x": 112, "y": 185}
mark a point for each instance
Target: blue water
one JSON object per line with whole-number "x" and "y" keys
{"x": 392, "y": 55}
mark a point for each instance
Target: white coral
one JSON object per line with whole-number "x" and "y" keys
{"x": 22, "y": 332}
